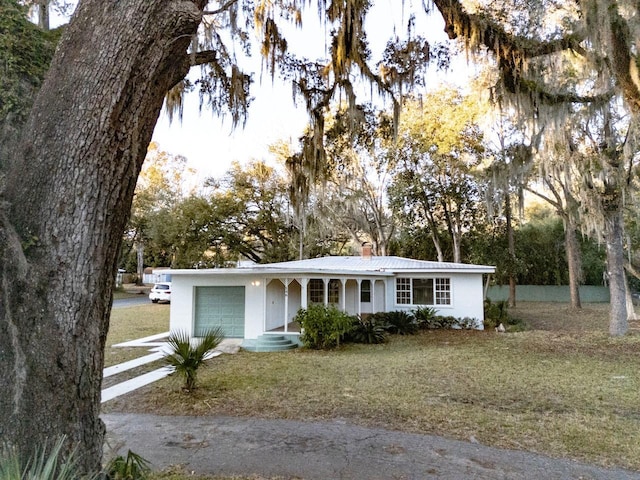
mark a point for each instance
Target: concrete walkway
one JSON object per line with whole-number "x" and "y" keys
{"x": 329, "y": 450}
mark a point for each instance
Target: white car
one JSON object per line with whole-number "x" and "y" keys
{"x": 161, "y": 292}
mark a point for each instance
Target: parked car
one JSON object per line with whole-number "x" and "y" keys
{"x": 161, "y": 292}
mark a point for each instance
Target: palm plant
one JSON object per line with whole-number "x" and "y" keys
{"x": 46, "y": 464}
{"x": 131, "y": 467}
{"x": 401, "y": 322}
{"x": 186, "y": 356}
{"x": 369, "y": 330}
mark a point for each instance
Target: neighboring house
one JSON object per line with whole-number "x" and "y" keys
{"x": 253, "y": 300}
{"x": 156, "y": 275}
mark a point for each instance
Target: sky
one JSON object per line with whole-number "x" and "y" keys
{"x": 210, "y": 144}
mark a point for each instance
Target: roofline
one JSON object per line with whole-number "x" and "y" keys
{"x": 265, "y": 270}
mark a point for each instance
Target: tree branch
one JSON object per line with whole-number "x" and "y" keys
{"x": 221, "y": 9}
{"x": 513, "y": 51}
{"x": 205, "y": 56}
{"x": 460, "y": 23}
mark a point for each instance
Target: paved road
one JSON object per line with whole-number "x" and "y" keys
{"x": 329, "y": 450}
{"x": 131, "y": 302}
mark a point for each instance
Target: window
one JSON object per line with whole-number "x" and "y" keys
{"x": 403, "y": 291}
{"x": 334, "y": 292}
{"x": 443, "y": 291}
{"x": 423, "y": 291}
{"x": 316, "y": 290}
{"x": 365, "y": 291}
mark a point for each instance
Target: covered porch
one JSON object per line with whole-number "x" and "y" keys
{"x": 285, "y": 296}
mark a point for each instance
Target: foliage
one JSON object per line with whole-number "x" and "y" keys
{"x": 424, "y": 317}
{"x": 400, "y": 322}
{"x": 25, "y": 54}
{"x": 434, "y": 185}
{"x": 186, "y": 358}
{"x": 45, "y": 464}
{"x": 369, "y": 330}
{"x": 466, "y": 323}
{"x": 540, "y": 253}
{"x": 245, "y": 215}
{"x": 495, "y": 313}
{"x": 131, "y": 467}
{"x": 324, "y": 327}
{"x": 347, "y": 198}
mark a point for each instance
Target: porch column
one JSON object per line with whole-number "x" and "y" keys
{"x": 304, "y": 296}
{"x": 359, "y": 296}
{"x": 343, "y": 297}
{"x": 373, "y": 296}
{"x": 286, "y": 304}
{"x": 325, "y": 282}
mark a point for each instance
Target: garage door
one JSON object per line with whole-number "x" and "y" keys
{"x": 220, "y": 307}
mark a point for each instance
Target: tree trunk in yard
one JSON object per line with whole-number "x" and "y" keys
{"x": 618, "y": 323}
{"x": 68, "y": 194}
{"x": 573, "y": 262}
{"x": 512, "y": 252}
{"x": 140, "y": 261}
{"x": 631, "y": 309}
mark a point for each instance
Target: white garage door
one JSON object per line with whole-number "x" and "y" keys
{"x": 220, "y": 307}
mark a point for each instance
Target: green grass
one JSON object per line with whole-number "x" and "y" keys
{"x": 131, "y": 323}
{"x": 564, "y": 388}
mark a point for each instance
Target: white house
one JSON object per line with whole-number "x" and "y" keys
{"x": 254, "y": 300}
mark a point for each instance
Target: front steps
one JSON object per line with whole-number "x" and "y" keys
{"x": 269, "y": 343}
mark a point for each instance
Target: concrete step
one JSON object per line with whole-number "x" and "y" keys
{"x": 269, "y": 343}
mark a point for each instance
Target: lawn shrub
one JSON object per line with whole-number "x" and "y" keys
{"x": 424, "y": 317}
{"x": 467, "y": 323}
{"x": 442, "y": 321}
{"x": 324, "y": 327}
{"x": 401, "y": 323}
{"x": 495, "y": 313}
{"x": 370, "y": 330}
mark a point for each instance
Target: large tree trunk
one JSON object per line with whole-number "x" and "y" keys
{"x": 140, "y": 263}
{"x": 573, "y": 262}
{"x": 631, "y": 309}
{"x": 618, "y": 324}
{"x": 512, "y": 252}
{"x": 68, "y": 194}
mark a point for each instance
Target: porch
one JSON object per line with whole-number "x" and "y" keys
{"x": 284, "y": 297}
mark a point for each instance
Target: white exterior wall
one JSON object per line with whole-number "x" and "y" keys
{"x": 466, "y": 296}
{"x": 183, "y": 300}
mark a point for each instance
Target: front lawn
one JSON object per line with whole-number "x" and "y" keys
{"x": 132, "y": 323}
{"x": 563, "y": 388}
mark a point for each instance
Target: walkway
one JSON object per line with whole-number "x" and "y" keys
{"x": 328, "y": 450}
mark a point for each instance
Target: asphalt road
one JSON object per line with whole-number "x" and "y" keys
{"x": 131, "y": 302}
{"x": 328, "y": 450}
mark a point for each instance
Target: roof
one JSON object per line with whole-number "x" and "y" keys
{"x": 345, "y": 265}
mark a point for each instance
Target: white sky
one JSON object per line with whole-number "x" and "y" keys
{"x": 210, "y": 144}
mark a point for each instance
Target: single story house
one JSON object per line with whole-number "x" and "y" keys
{"x": 253, "y": 300}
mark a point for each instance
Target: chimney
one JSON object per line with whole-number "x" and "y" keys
{"x": 366, "y": 251}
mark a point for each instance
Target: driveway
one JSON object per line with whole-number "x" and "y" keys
{"x": 328, "y": 450}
